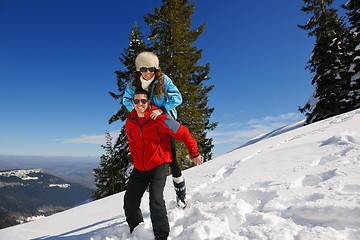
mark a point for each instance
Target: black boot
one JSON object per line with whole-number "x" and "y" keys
{"x": 180, "y": 190}
{"x": 161, "y": 238}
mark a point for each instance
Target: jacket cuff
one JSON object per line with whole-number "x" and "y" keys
{"x": 196, "y": 155}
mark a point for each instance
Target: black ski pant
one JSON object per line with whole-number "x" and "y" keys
{"x": 174, "y": 165}
{"x": 137, "y": 185}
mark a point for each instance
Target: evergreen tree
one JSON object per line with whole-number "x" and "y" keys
{"x": 173, "y": 41}
{"x": 353, "y": 49}
{"x": 117, "y": 159}
{"x": 124, "y": 77}
{"x": 6, "y": 220}
{"x": 178, "y": 59}
{"x": 105, "y": 175}
{"x": 112, "y": 174}
{"x": 328, "y": 61}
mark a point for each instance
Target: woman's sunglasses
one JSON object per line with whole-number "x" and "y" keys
{"x": 143, "y": 101}
{"x": 145, "y": 69}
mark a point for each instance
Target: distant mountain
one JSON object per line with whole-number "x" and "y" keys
{"x": 72, "y": 169}
{"x": 32, "y": 193}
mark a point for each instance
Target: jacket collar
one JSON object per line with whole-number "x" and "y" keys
{"x": 133, "y": 115}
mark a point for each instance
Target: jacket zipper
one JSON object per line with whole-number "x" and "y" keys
{"x": 143, "y": 149}
{"x": 160, "y": 155}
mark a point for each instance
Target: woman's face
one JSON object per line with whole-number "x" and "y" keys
{"x": 147, "y": 73}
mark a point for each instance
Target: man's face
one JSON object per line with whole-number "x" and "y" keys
{"x": 141, "y": 103}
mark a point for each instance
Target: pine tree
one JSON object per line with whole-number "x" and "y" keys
{"x": 173, "y": 41}
{"x": 102, "y": 177}
{"x": 353, "y": 49}
{"x": 178, "y": 59}
{"x": 118, "y": 159}
{"x": 328, "y": 61}
{"x": 112, "y": 175}
{"x": 124, "y": 77}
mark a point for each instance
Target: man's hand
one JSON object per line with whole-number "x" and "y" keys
{"x": 198, "y": 160}
{"x": 155, "y": 113}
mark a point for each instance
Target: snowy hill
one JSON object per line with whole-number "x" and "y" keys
{"x": 303, "y": 184}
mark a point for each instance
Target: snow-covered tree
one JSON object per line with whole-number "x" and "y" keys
{"x": 353, "y": 49}
{"x": 328, "y": 62}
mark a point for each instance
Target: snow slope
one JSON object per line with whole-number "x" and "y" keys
{"x": 301, "y": 184}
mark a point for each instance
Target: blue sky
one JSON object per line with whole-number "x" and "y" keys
{"x": 58, "y": 57}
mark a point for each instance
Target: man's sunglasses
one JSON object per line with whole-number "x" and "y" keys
{"x": 145, "y": 69}
{"x": 143, "y": 101}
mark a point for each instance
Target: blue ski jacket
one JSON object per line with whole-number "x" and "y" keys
{"x": 167, "y": 102}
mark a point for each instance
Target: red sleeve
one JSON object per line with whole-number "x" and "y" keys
{"x": 179, "y": 132}
{"x": 185, "y": 136}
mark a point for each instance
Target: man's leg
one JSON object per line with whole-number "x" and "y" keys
{"x": 158, "y": 212}
{"x": 138, "y": 182}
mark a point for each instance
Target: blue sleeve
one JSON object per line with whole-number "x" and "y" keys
{"x": 128, "y": 97}
{"x": 172, "y": 93}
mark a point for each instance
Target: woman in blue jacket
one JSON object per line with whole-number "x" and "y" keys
{"x": 166, "y": 96}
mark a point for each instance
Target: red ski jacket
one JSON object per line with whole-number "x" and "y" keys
{"x": 149, "y": 139}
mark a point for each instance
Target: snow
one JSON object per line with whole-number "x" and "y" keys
{"x": 301, "y": 184}
{"x": 22, "y": 174}
{"x": 355, "y": 77}
{"x": 28, "y": 219}
{"x": 65, "y": 185}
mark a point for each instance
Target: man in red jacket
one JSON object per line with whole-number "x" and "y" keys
{"x": 149, "y": 143}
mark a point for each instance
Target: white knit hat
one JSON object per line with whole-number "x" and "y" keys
{"x": 146, "y": 59}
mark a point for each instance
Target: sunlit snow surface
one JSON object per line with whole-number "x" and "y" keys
{"x": 301, "y": 184}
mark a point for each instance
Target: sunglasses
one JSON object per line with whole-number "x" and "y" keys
{"x": 143, "y": 101}
{"x": 145, "y": 69}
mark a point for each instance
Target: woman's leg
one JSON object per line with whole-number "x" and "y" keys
{"x": 174, "y": 165}
{"x": 178, "y": 179}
